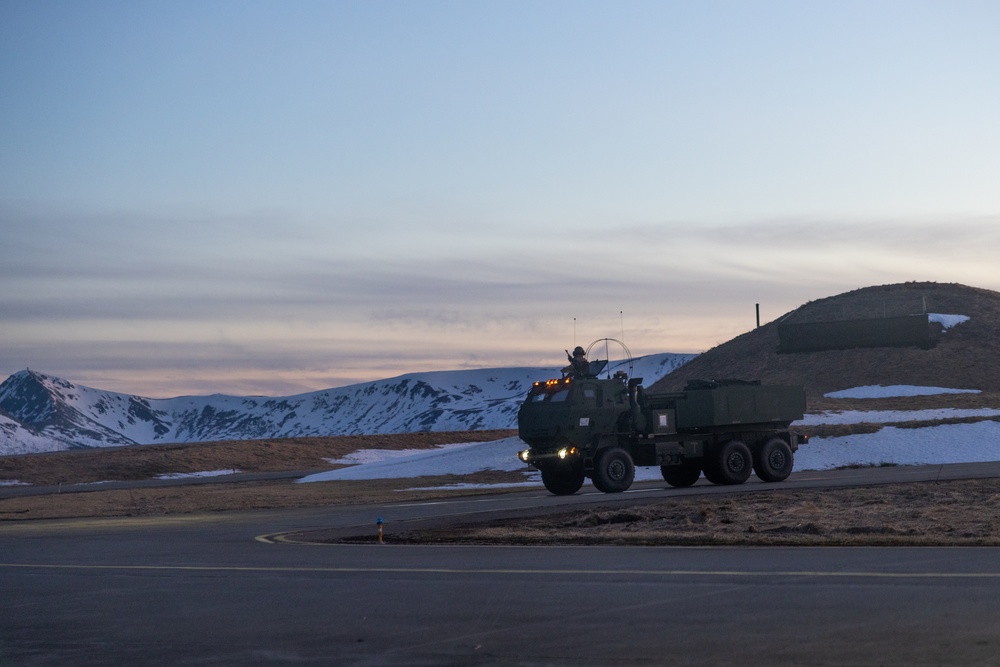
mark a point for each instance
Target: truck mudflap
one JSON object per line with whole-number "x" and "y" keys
{"x": 796, "y": 439}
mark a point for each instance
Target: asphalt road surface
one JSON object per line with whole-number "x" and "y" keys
{"x": 238, "y": 588}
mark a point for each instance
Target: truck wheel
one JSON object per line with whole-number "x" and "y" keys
{"x": 710, "y": 467}
{"x": 613, "y": 471}
{"x": 563, "y": 480}
{"x": 773, "y": 461}
{"x": 734, "y": 462}
{"x": 681, "y": 475}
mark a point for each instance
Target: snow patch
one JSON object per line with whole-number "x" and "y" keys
{"x": 949, "y": 443}
{"x": 947, "y": 321}
{"x": 892, "y": 391}
{"x": 364, "y": 456}
{"x": 891, "y": 416}
{"x": 460, "y": 459}
{"x": 205, "y": 473}
{"x": 13, "y": 482}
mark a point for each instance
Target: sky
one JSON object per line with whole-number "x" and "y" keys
{"x": 271, "y": 198}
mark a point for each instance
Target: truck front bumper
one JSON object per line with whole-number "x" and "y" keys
{"x": 535, "y": 457}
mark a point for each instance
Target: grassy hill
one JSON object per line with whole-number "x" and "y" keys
{"x": 966, "y": 356}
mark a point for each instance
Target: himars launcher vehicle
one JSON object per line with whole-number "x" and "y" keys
{"x": 581, "y": 426}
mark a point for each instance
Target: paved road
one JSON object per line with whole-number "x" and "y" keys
{"x": 225, "y": 589}
{"x": 95, "y": 487}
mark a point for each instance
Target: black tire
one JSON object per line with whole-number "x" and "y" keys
{"x": 734, "y": 462}
{"x": 685, "y": 474}
{"x": 563, "y": 480}
{"x": 710, "y": 467}
{"x": 773, "y": 462}
{"x": 613, "y": 470}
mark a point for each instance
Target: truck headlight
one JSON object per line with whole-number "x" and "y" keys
{"x": 525, "y": 455}
{"x": 566, "y": 451}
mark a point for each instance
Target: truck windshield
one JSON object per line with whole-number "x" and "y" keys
{"x": 551, "y": 394}
{"x": 559, "y": 395}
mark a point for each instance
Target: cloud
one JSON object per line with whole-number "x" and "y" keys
{"x": 247, "y": 299}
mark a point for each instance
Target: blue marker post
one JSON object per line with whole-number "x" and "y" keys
{"x": 379, "y": 524}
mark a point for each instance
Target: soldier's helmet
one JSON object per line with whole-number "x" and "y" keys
{"x": 579, "y": 352}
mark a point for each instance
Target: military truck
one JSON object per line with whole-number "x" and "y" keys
{"x": 580, "y": 426}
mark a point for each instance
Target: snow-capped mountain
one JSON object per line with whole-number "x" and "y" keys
{"x": 43, "y": 413}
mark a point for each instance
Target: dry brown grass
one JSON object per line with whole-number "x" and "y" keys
{"x": 965, "y": 357}
{"x": 273, "y": 455}
{"x": 269, "y": 455}
{"x": 986, "y": 399}
{"x": 958, "y": 513}
{"x": 839, "y": 430}
{"x": 228, "y": 497}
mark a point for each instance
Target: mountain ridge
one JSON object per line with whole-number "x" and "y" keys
{"x": 39, "y": 412}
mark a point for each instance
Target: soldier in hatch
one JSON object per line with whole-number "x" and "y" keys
{"x": 578, "y": 364}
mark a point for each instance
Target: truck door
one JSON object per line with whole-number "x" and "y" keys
{"x": 591, "y": 395}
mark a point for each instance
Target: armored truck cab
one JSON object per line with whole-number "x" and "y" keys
{"x": 583, "y": 426}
